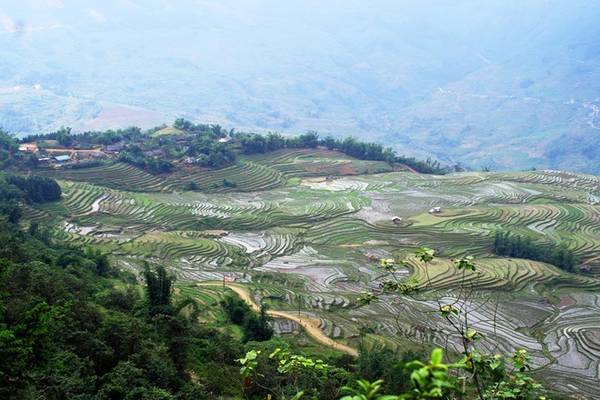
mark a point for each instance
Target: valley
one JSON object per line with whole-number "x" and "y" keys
{"x": 303, "y": 230}
{"x": 290, "y": 200}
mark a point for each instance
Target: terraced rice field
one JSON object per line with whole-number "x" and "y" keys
{"x": 245, "y": 176}
{"x": 317, "y": 162}
{"x": 303, "y": 230}
{"x": 117, "y": 176}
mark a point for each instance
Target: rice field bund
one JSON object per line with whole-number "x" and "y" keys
{"x": 304, "y": 231}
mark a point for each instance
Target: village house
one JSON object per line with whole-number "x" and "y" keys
{"x": 115, "y": 147}
{"x": 62, "y": 158}
{"x": 153, "y": 153}
{"x": 28, "y": 147}
{"x": 96, "y": 154}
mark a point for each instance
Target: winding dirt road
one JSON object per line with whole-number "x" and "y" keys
{"x": 310, "y": 325}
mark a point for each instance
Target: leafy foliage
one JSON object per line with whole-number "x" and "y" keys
{"x": 37, "y": 189}
{"x": 486, "y": 376}
{"x": 72, "y": 327}
{"x": 270, "y": 369}
{"x": 134, "y": 155}
{"x": 256, "y": 327}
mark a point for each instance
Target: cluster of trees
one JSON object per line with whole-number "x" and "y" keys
{"x": 16, "y": 189}
{"x": 10, "y": 196}
{"x": 252, "y": 143}
{"x": 256, "y": 327}
{"x": 65, "y": 137}
{"x": 68, "y": 332}
{"x": 257, "y": 143}
{"x": 361, "y": 150}
{"x": 36, "y": 189}
{"x": 507, "y": 244}
{"x": 374, "y": 151}
{"x": 134, "y": 155}
{"x": 213, "y": 131}
{"x": 210, "y": 153}
{"x": 382, "y": 363}
{"x": 202, "y": 143}
{"x": 131, "y": 134}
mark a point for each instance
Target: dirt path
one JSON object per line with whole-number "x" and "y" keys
{"x": 310, "y": 325}
{"x": 409, "y": 168}
{"x": 83, "y": 151}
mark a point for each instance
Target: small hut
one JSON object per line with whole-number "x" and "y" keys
{"x": 62, "y": 158}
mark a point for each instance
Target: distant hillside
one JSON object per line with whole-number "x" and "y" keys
{"x": 508, "y": 85}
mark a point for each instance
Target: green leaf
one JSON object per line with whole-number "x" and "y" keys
{"x": 437, "y": 356}
{"x": 472, "y": 334}
{"x": 425, "y": 254}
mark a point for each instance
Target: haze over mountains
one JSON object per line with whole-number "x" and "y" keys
{"x": 499, "y": 84}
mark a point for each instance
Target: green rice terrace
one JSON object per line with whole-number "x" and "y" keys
{"x": 304, "y": 230}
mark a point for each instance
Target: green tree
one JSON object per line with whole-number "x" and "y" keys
{"x": 63, "y": 136}
{"x": 158, "y": 289}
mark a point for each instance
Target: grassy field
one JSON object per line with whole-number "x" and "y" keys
{"x": 300, "y": 229}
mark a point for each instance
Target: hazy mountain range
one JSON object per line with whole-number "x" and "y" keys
{"x": 500, "y": 84}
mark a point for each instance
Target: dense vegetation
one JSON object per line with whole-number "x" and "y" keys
{"x": 15, "y": 190}
{"x": 506, "y": 244}
{"x": 37, "y": 189}
{"x": 134, "y": 155}
{"x": 256, "y": 327}
{"x": 89, "y": 139}
{"x": 71, "y": 327}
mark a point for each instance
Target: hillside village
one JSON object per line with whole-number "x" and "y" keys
{"x": 90, "y": 148}
{"x": 165, "y": 148}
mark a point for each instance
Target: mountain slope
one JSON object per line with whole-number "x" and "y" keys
{"x": 508, "y": 85}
